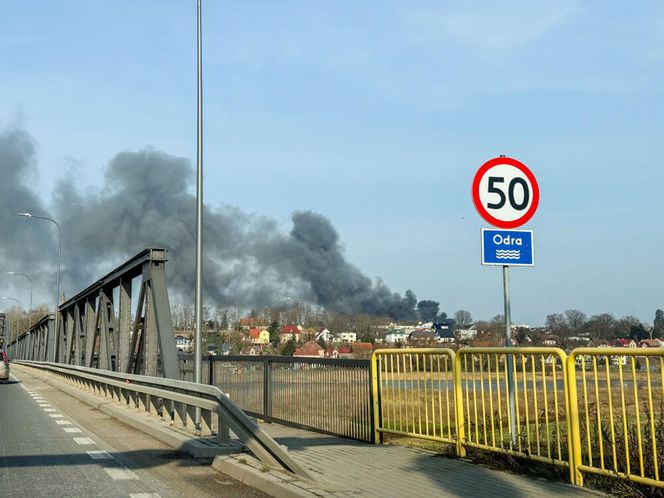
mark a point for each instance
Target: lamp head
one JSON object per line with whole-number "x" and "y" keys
{"x": 27, "y": 215}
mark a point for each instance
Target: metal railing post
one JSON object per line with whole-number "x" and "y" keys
{"x": 211, "y": 370}
{"x": 267, "y": 395}
{"x": 458, "y": 405}
{"x": 573, "y": 420}
{"x": 375, "y": 400}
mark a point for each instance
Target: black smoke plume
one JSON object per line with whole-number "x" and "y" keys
{"x": 145, "y": 201}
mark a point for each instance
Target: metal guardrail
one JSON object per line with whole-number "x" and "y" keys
{"x": 176, "y": 402}
{"x": 413, "y": 394}
{"x": 598, "y": 411}
{"x": 617, "y": 401}
{"x": 540, "y": 408}
{"x": 330, "y": 396}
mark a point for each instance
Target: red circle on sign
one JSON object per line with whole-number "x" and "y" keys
{"x": 484, "y": 213}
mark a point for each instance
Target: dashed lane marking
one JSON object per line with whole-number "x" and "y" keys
{"x": 83, "y": 440}
{"x": 55, "y": 415}
{"x": 120, "y": 474}
{"x": 144, "y": 495}
{"x": 99, "y": 455}
{"x": 63, "y": 422}
{"x": 72, "y": 430}
{"x": 50, "y": 410}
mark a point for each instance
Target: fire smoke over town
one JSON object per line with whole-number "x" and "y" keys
{"x": 146, "y": 201}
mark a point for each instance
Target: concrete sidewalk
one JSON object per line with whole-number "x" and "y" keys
{"x": 351, "y": 468}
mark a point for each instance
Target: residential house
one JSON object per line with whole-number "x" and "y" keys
{"x": 650, "y": 343}
{"x": 422, "y": 336}
{"x": 289, "y": 332}
{"x": 183, "y": 343}
{"x": 396, "y": 337}
{"x": 445, "y": 335}
{"x": 466, "y": 334}
{"x": 624, "y": 343}
{"x": 324, "y": 334}
{"x": 347, "y": 337}
{"x": 310, "y": 349}
{"x": 259, "y": 336}
{"x": 344, "y": 352}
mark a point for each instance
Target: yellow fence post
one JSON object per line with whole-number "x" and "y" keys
{"x": 573, "y": 420}
{"x": 458, "y": 405}
{"x": 376, "y": 401}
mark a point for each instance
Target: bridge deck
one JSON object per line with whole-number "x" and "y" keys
{"x": 356, "y": 468}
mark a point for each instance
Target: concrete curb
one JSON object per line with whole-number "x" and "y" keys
{"x": 274, "y": 482}
{"x": 154, "y": 428}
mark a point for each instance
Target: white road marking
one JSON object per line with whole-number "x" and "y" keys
{"x": 144, "y": 495}
{"x": 55, "y": 415}
{"x": 121, "y": 474}
{"x": 72, "y": 430}
{"x": 99, "y": 455}
{"x": 63, "y": 422}
{"x": 83, "y": 440}
{"x": 50, "y": 410}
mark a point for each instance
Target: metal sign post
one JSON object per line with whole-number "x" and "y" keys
{"x": 510, "y": 357}
{"x": 506, "y": 194}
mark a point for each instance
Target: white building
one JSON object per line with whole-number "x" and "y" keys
{"x": 182, "y": 343}
{"x": 345, "y": 337}
{"x": 396, "y": 337}
{"x": 466, "y": 334}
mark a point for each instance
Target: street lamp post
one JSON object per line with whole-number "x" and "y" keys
{"x": 57, "y": 286}
{"x": 12, "y": 273}
{"x": 18, "y": 322}
{"x": 198, "y": 363}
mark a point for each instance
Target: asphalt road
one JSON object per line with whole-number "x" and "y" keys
{"x": 56, "y": 446}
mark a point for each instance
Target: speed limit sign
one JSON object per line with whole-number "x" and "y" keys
{"x": 505, "y": 192}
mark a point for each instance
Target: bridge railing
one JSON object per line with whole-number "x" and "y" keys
{"x": 618, "y": 401}
{"x": 597, "y": 411}
{"x": 414, "y": 394}
{"x": 539, "y": 407}
{"x": 175, "y": 403}
{"x": 331, "y": 396}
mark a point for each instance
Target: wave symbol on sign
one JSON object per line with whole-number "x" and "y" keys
{"x": 506, "y": 254}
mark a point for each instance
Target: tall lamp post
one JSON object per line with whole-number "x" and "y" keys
{"x": 18, "y": 322}
{"x": 12, "y": 273}
{"x": 57, "y": 286}
{"x": 198, "y": 362}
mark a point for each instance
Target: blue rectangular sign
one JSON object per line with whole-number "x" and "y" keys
{"x": 507, "y": 247}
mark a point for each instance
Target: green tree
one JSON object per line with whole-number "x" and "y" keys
{"x": 658, "y": 324}
{"x": 275, "y": 336}
{"x": 289, "y": 348}
{"x": 638, "y": 332}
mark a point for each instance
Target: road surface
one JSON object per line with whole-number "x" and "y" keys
{"x": 53, "y": 445}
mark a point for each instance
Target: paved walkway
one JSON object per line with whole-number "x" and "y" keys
{"x": 360, "y": 469}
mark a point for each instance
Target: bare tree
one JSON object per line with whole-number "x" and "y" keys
{"x": 463, "y": 318}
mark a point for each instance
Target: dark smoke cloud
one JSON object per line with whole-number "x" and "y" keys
{"x": 22, "y": 247}
{"x": 145, "y": 201}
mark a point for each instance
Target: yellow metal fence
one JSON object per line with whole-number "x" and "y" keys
{"x": 598, "y": 410}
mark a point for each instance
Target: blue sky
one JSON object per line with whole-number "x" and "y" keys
{"x": 377, "y": 115}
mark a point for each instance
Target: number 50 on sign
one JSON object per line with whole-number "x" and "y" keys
{"x": 505, "y": 192}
